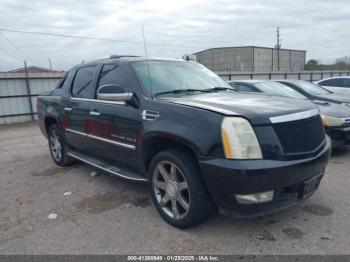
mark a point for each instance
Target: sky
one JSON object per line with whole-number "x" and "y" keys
{"x": 171, "y": 28}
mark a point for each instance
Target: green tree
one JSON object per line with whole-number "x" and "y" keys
{"x": 312, "y": 64}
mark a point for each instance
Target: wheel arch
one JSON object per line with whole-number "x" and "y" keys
{"x": 154, "y": 143}
{"x": 48, "y": 121}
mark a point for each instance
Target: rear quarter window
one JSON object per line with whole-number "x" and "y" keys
{"x": 61, "y": 82}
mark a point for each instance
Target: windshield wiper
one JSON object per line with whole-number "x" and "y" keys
{"x": 178, "y": 91}
{"x": 220, "y": 88}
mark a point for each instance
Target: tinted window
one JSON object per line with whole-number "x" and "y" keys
{"x": 311, "y": 88}
{"x": 61, "y": 82}
{"x": 278, "y": 89}
{"x": 165, "y": 76}
{"x": 111, "y": 74}
{"x": 331, "y": 82}
{"x": 244, "y": 88}
{"x": 346, "y": 82}
{"x": 83, "y": 82}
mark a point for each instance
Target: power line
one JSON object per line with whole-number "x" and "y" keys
{"x": 89, "y": 38}
{"x": 15, "y": 47}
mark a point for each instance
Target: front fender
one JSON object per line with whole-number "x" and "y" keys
{"x": 175, "y": 138}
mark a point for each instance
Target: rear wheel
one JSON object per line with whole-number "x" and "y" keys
{"x": 58, "y": 147}
{"x": 178, "y": 191}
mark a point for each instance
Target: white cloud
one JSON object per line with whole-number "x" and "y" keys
{"x": 177, "y": 27}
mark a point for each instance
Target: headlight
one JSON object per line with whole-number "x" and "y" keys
{"x": 239, "y": 139}
{"x": 332, "y": 121}
{"x": 345, "y": 104}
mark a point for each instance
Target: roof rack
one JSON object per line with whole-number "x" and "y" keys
{"x": 120, "y": 56}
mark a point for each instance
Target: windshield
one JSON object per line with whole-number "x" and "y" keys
{"x": 312, "y": 88}
{"x": 166, "y": 76}
{"x": 278, "y": 89}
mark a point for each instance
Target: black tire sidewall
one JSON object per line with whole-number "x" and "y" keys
{"x": 200, "y": 202}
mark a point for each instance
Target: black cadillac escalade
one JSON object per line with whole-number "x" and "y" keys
{"x": 198, "y": 143}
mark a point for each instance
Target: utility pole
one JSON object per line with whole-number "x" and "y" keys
{"x": 278, "y": 47}
{"x": 50, "y": 63}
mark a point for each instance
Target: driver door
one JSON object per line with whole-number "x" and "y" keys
{"x": 116, "y": 124}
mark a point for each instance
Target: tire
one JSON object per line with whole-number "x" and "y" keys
{"x": 169, "y": 173}
{"x": 58, "y": 148}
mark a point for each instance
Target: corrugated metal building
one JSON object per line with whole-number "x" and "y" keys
{"x": 18, "y": 94}
{"x": 251, "y": 58}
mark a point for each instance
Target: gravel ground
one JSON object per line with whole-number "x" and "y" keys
{"x": 107, "y": 215}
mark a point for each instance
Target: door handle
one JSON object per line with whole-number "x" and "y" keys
{"x": 94, "y": 113}
{"x": 68, "y": 109}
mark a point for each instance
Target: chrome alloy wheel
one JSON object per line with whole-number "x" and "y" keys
{"x": 171, "y": 190}
{"x": 55, "y": 145}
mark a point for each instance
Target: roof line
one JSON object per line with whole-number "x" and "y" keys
{"x": 248, "y": 46}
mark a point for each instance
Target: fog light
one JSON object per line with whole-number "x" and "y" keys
{"x": 255, "y": 198}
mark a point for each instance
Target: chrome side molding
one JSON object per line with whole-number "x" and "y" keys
{"x": 128, "y": 146}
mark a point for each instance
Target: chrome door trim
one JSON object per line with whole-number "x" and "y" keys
{"x": 295, "y": 116}
{"x": 104, "y": 169}
{"x": 132, "y": 147}
{"x": 97, "y": 101}
{"x": 94, "y": 113}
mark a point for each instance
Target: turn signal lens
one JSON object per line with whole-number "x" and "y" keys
{"x": 239, "y": 139}
{"x": 332, "y": 121}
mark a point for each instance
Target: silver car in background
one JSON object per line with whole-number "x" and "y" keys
{"x": 338, "y": 84}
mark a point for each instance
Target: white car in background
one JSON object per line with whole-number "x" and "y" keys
{"x": 338, "y": 84}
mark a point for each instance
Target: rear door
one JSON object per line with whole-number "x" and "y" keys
{"x": 77, "y": 109}
{"x": 333, "y": 84}
{"x": 116, "y": 125}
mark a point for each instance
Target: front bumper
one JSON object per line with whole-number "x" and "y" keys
{"x": 339, "y": 135}
{"x": 225, "y": 178}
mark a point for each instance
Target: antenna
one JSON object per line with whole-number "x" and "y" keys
{"x": 148, "y": 68}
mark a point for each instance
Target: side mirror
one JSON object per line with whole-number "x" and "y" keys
{"x": 113, "y": 93}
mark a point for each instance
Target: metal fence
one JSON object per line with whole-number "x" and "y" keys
{"x": 18, "y": 91}
{"x": 18, "y": 94}
{"x": 275, "y": 75}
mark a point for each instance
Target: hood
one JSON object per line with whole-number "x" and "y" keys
{"x": 334, "y": 110}
{"x": 337, "y": 98}
{"x": 258, "y": 108}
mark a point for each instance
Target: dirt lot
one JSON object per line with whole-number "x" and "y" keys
{"x": 107, "y": 215}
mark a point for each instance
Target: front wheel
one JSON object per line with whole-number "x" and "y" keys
{"x": 58, "y": 147}
{"x": 178, "y": 191}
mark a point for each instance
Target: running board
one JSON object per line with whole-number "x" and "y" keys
{"x": 111, "y": 169}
